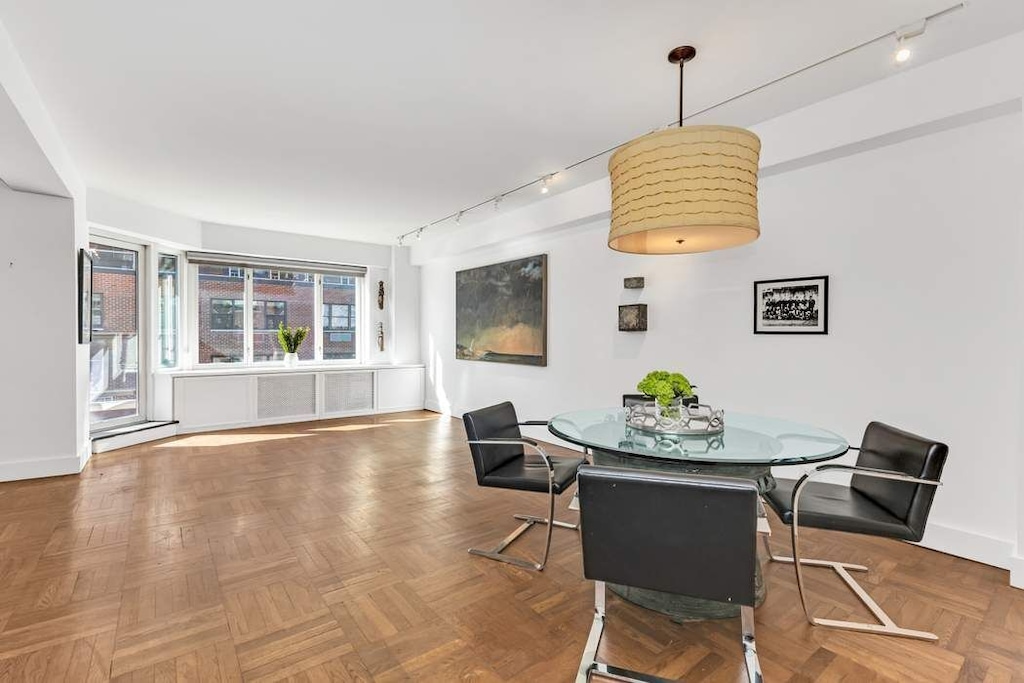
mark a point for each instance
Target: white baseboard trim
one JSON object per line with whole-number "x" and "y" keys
{"x": 44, "y": 467}
{"x": 84, "y": 454}
{"x": 435, "y": 407}
{"x": 113, "y": 443}
{"x": 969, "y": 545}
{"x": 1017, "y": 571}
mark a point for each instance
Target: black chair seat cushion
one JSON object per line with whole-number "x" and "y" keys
{"x": 838, "y": 508}
{"x": 526, "y": 475}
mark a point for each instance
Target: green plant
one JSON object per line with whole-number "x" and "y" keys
{"x": 291, "y": 338}
{"x": 665, "y": 386}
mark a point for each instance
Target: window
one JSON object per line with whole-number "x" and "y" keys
{"x": 240, "y": 307}
{"x": 220, "y": 298}
{"x": 167, "y": 310}
{"x": 281, "y": 296}
{"x": 339, "y": 316}
{"x": 97, "y": 311}
{"x": 114, "y": 372}
{"x": 226, "y": 314}
{"x": 339, "y": 313}
{"x": 269, "y": 315}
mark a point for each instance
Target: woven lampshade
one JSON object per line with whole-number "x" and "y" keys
{"x": 685, "y": 190}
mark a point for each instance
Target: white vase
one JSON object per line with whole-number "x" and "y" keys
{"x": 291, "y": 360}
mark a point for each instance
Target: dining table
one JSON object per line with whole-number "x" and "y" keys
{"x": 748, "y": 447}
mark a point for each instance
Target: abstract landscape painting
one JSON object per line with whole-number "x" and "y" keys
{"x": 501, "y": 312}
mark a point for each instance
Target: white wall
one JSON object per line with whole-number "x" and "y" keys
{"x": 142, "y": 222}
{"x": 34, "y": 159}
{"x": 233, "y": 238}
{"x": 918, "y": 224}
{"x": 37, "y": 413}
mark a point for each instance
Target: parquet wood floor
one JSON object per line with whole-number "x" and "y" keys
{"x": 336, "y": 551}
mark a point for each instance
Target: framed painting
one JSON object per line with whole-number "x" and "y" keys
{"x": 84, "y": 296}
{"x": 501, "y": 312}
{"x": 793, "y": 306}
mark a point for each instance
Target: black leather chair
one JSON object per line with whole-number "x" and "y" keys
{"x": 687, "y": 534}
{"x": 890, "y": 494}
{"x": 500, "y": 461}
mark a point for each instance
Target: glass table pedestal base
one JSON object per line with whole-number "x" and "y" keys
{"x": 680, "y": 607}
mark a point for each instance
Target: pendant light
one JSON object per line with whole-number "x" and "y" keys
{"x": 685, "y": 190}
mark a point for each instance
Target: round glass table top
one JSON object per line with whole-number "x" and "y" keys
{"x": 746, "y": 440}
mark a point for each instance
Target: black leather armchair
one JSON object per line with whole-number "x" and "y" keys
{"x": 497, "y": 446}
{"x": 890, "y": 495}
{"x": 687, "y": 534}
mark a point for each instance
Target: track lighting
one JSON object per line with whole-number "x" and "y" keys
{"x": 902, "y": 54}
{"x": 903, "y": 35}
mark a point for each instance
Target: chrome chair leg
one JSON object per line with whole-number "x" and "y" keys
{"x": 528, "y": 521}
{"x": 590, "y": 665}
{"x": 750, "y": 646}
{"x": 887, "y": 625}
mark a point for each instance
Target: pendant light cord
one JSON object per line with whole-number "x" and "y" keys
{"x": 682, "y": 63}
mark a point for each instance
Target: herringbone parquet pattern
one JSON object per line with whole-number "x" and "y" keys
{"x": 337, "y": 551}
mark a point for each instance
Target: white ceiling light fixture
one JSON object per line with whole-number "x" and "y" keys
{"x": 904, "y": 34}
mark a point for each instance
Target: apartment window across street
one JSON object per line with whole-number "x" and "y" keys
{"x": 268, "y": 315}
{"x": 239, "y": 307}
{"x": 339, "y": 316}
{"x": 97, "y": 311}
{"x": 226, "y": 314}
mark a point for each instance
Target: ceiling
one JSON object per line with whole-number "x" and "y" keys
{"x": 365, "y": 120}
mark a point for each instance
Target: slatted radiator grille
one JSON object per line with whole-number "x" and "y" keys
{"x": 346, "y": 392}
{"x": 285, "y": 396}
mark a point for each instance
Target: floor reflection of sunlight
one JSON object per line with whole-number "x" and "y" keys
{"x": 347, "y": 428}
{"x": 414, "y": 419}
{"x": 207, "y": 440}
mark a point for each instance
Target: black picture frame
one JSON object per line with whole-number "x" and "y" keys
{"x": 84, "y": 296}
{"x": 799, "y": 319}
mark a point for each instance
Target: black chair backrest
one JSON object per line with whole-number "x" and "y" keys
{"x": 493, "y": 422}
{"x": 888, "y": 448}
{"x": 687, "y": 534}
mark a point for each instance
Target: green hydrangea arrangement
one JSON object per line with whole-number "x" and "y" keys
{"x": 291, "y": 338}
{"x": 665, "y": 386}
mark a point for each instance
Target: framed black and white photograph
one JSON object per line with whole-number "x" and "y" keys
{"x": 84, "y": 296}
{"x": 794, "y": 306}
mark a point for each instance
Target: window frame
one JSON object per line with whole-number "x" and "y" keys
{"x": 144, "y": 253}
{"x": 359, "y": 312}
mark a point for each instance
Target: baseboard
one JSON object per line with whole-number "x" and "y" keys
{"x": 435, "y": 407}
{"x": 970, "y": 545}
{"x": 400, "y": 409}
{"x": 44, "y": 467}
{"x": 1017, "y": 571}
{"x": 84, "y": 454}
{"x": 117, "y": 441}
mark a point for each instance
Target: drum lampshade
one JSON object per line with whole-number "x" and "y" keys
{"x": 685, "y": 190}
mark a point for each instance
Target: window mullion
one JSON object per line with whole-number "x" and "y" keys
{"x": 247, "y": 318}
{"x": 318, "y": 317}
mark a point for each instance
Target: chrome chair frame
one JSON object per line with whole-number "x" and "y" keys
{"x": 887, "y": 625}
{"x": 590, "y": 665}
{"x": 527, "y": 520}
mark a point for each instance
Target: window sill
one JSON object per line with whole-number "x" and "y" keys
{"x": 272, "y": 369}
